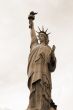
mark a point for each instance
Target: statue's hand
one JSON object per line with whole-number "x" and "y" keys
{"x": 53, "y": 49}
{"x": 30, "y": 23}
{"x": 52, "y": 55}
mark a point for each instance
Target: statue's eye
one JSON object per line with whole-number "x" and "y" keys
{"x": 41, "y": 36}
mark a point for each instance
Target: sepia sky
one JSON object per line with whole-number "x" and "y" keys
{"x": 57, "y": 16}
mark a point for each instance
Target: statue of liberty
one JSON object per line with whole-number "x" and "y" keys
{"x": 41, "y": 63}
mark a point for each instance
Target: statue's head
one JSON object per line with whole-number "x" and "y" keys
{"x": 43, "y": 36}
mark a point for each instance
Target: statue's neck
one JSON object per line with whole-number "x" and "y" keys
{"x": 43, "y": 43}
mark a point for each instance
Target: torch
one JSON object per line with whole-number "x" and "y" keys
{"x": 31, "y": 17}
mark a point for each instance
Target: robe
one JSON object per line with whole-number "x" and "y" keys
{"x": 40, "y": 66}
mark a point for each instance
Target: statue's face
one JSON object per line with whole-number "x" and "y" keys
{"x": 42, "y": 37}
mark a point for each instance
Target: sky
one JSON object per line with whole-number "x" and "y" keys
{"x": 57, "y": 16}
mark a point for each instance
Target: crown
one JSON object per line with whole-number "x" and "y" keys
{"x": 42, "y": 31}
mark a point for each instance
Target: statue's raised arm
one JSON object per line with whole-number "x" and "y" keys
{"x": 31, "y": 17}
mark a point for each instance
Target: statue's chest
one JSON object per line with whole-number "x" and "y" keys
{"x": 45, "y": 50}
{"x": 43, "y": 54}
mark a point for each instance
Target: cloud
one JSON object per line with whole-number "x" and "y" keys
{"x": 5, "y": 109}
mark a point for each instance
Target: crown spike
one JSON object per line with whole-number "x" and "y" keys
{"x": 42, "y": 28}
{"x": 39, "y": 28}
{"x": 49, "y": 33}
{"x": 37, "y": 32}
{"x": 46, "y": 30}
